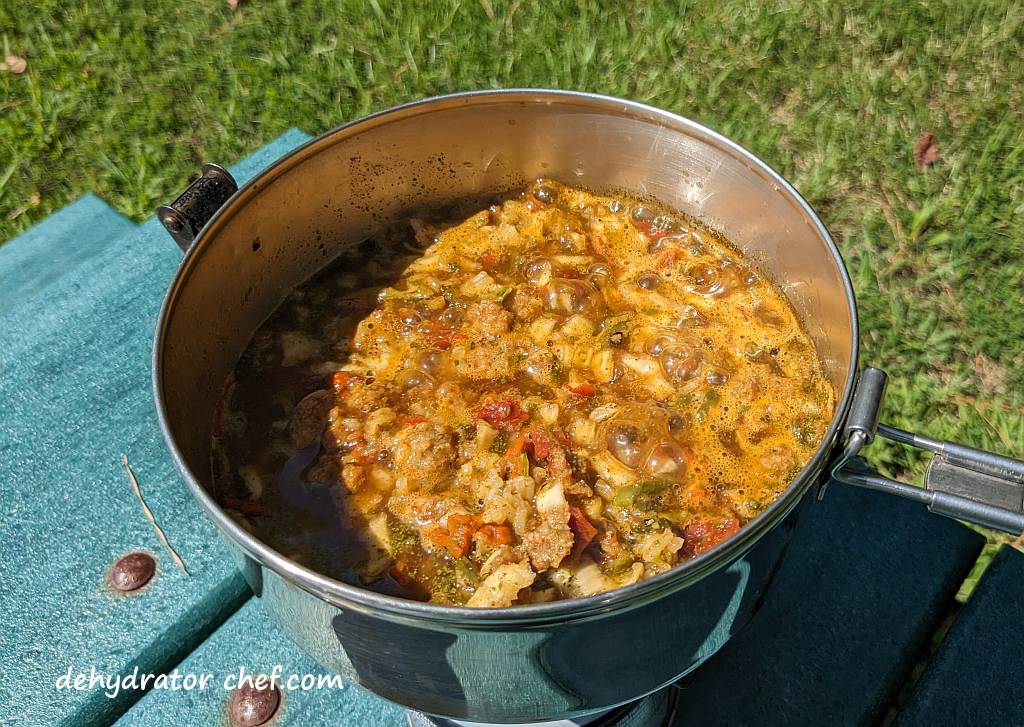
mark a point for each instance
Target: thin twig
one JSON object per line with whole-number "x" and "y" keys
{"x": 149, "y": 516}
{"x": 998, "y": 431}
{"x": 1005, "y": 408}
{"x": 1003, "y": 437}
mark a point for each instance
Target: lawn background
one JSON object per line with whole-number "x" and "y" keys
{"x": 129, "y": 99}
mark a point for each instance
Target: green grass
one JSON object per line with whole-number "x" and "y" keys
{"x": 128, "y": 99}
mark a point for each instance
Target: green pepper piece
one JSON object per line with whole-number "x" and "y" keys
{"x": 620, "y": 565}
{"x": 618, "y": 323}
{"x": 711, "y": 398}
{"x": 556, "y": 373}
{"x": 643, "y": 495}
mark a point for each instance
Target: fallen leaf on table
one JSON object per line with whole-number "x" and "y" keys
{"x": 925, "y": 151}
{"x": 14, "y": 64}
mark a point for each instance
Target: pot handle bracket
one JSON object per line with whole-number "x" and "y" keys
{"x": 188, "y": 214}
{"x": 961, "y": 482}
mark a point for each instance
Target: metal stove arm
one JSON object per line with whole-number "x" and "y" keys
{"x": 961, "y": 482}
{"x": 188, "y": 214}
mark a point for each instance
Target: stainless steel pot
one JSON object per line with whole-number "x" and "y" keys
{"x": 545, "y": 661}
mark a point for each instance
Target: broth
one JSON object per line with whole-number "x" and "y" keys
{"x": 555, "y": 396}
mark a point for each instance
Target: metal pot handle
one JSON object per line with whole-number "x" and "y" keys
{"x": 185, "y": 217}
{"x": 961, "y": 482}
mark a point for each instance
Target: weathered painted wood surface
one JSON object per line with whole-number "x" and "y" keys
{"x": 866, "y": 584}
{"x": 75, "y": 396}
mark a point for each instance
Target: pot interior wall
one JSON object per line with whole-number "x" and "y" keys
{"x": 334, "y": 192}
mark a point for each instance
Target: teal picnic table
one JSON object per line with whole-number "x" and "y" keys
{"x": 867, "y": 584}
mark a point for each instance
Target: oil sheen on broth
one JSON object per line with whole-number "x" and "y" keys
{"x": 552, "y": 397}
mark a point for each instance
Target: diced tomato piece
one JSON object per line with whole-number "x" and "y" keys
{"x": 586, "y": 390}
{"x": 340, "y": 380}
{"x": 536, "y": 442}
{"x": 562, "y": 439}
{"x": 436, "y": 334}
{"x": 458, "y": 535}
{"x": 412, "y": 419}
{"x": 541, "y": 443}
{"x": 247, "y": 507}
{"x": 488, "y": 259}
{"x": 516, "y": 448}
{"x": 582, "y": 529}
{"x": 644, "y": 227}
{"x": 363, "y": 453}
{"x": 569, "y": 273}
{"x": 703, "y": 535}
{"x": 601, "y": 245}
{"x": 534, "y": 205}
{"x": 667, "y": 259}
{"x": 443, "y": 539}
{"x": 648, "y": 228}
{"x": 496, "y": 534}
{"x": 401, "y": 572}
{"x": 503, "y": 413}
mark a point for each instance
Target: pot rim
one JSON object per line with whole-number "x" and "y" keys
{"x": 532, "y": 614}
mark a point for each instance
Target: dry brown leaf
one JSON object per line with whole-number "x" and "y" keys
{"x": 32, "y": 203}
{"x": 1018, "y": 543}
{"x": 512, "y": 13}
{"x": 925, "y": 151}
{"x": 14, "y": 64}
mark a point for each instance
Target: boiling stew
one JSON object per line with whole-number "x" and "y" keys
{"x": 555, "y": 396}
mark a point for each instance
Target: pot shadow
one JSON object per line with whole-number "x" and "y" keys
{"x": 402, "y": 664}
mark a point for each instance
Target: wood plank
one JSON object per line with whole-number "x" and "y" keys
{"x": 250, "y": 640}
{"x": 75, "y": 396}
{"x": 56, "y": 246}
{"x": 975, "y": 677}
{"x": 867, "y": 582}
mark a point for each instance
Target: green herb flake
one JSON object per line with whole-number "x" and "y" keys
{"x": 804, "y": 433}
{"x": 402, "y": 536}
{"x": 499, "y": 445}
{"x": 791, "y": 474}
